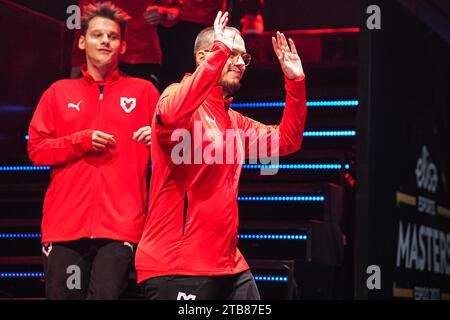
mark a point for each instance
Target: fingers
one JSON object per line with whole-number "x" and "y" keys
{"x": 279, "y": 42}
{"x": 104, "y": 136}
{"x": 224, "y": 20}
{"x": 98, "y": 146}
{"x": 282, "y": 43}
{"x": 293, "y": 48}
{"x": 143, "y": 135}
{"x": 276, "y": 49}
{"x": 100, "y": 140}
{"x": 148, "y": 140}
{"x": 139, "y": 131}
{"x": 221, "y": 20}
{"x": 217, "y": 19}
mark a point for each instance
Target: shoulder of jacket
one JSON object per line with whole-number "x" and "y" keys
{"x": 140, "y": 82}
{"x": 64, "y": 83}
{"x": 171, "y": 88}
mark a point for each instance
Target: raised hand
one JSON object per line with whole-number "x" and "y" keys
{"x": 287, "y": 56}
{"x": 220, "y": 32}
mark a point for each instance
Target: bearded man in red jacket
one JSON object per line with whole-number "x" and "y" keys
{"x": 94, "y": 133}
{"x": 189, "y": 246}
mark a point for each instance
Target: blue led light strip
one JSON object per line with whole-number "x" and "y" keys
{"x": 22, "y": 274}
{"x": 19, "y": 235}
{"x": 297, "y": 166}
{"x": 240, "y": 236}
{"x": 292, "y": 166}
{"x": 283, "y": 198}
{"x": 24, "y": 168}
{"x": 272, "y": 236}
{"x": 269, "y": 278}
{"x": 277, "y": 104}
{"x": 331, "y": 133}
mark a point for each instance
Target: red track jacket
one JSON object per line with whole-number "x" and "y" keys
{"x": 93, "y": 194}
{"x": 192, "y": 224}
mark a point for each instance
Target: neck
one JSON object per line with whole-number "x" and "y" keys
{"x": 100, "y": 73}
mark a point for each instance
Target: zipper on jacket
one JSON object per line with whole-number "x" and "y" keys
{"x": 95, "y": 216}
{"x": 185, "y": 212}
{"x": 100, "y": 97}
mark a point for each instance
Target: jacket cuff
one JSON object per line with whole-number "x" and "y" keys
{"x": 220, "y": 45}
{"x": 298, "y": 79}
{"x": 87, "y": 139}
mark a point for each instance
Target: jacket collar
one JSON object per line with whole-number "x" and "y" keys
{"x": 113, "y": 76}
{"x": 217, "y": 95}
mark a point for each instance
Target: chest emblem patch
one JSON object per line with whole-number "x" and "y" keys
{"x": 127, "y": 104}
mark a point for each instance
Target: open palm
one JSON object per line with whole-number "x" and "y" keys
{"x": 287, "y": 56}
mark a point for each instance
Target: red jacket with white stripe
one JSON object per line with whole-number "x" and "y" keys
{"x": 93, "y": 194}
{"x": 192, "y": 225}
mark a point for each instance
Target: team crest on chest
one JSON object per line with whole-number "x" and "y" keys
{"x": 127, "y": 104}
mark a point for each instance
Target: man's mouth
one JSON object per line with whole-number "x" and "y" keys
{"x": 239, "y": 73}
{"x": 104, "y": 50}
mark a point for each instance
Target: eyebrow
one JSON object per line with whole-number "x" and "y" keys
{"x": 238, "y": 51}
{"x": 99, "y": 30}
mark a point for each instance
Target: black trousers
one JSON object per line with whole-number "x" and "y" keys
{"x": 87, "y": 268}
{"x": 239, "y": 286}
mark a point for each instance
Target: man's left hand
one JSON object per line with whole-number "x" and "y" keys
{"x": 143, "y": 135}
{"x": 287, "y": 56}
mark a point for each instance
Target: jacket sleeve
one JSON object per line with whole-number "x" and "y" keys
{"x": 44, "y": 146}
{"x": 153, "y": 97}
{"x": 288, "y": 134}
{"x": 178, "y": 102}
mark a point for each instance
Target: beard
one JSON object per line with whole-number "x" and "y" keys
{"x": 230, "y": 87}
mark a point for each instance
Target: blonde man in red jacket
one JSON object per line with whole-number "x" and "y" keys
{"x": 94, "y": 132}
{"x": 189, "y": 246}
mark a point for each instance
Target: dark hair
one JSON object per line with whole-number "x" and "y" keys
{"x": 205, "y": 39}
{"x": 104, "y": 10}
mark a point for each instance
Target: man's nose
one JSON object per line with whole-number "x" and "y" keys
{"x": 105, "y": 39}
{"x": 239, "y": 61}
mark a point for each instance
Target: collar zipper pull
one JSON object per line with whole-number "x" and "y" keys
{"x": 100, "y": 97}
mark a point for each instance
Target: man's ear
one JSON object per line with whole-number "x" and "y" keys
{"x": 82, "y": 42}
{"x": 200, "y": 56}
{"x": 123, "y": 47}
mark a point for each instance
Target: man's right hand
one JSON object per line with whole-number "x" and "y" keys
{"x": 100, "y": 140}
{"x": 220, "y": 32}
